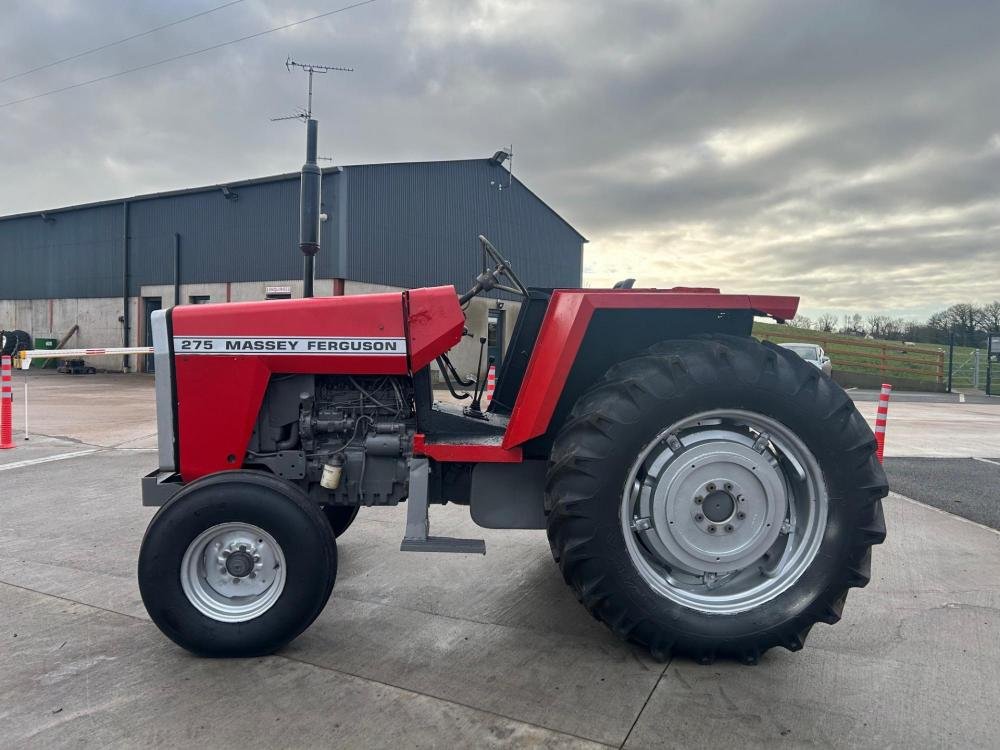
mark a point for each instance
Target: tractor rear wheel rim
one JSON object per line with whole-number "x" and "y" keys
{"x": 724, "y": 510}
{"x": 233, "y": 572}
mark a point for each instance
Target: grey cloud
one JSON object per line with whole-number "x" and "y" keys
{"x": 646, "y": 124}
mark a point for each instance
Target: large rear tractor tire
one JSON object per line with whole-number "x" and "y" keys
{"x": 715, "y": 496}
{"x": 237, "y": 564}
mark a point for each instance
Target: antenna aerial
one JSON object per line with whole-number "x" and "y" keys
{"x": 306, "y": 114}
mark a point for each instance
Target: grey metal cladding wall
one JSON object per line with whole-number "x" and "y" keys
{"x": 250, "y": 239}
{"x": 403, "y": 225}
{"x": 417, "y": 225}
{"x": 76, "y": 254}
{"x": 329, "y": 232}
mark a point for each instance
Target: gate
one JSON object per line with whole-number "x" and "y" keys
{"x": 992, "y": 357}
{"x": 967, "y": 369}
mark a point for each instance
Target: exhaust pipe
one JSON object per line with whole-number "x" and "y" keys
{"x": 310, "y": 190}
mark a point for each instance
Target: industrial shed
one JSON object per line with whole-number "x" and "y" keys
{"x": 105, "y": 266}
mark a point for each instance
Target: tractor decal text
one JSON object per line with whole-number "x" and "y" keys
{"x": 364, "y": 346}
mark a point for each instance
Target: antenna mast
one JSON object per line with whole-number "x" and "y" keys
{"x": 306, "y": 114}
{"x": 311, "y": 181}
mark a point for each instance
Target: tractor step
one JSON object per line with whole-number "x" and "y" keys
{"x": 443, "y": 544}
{"x": 418, "y": 525}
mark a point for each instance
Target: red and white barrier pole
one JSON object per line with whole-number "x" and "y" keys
{"x": 6, "y": 403}
{"x": 491, "y": 383}
{"x": 880, "y": 420}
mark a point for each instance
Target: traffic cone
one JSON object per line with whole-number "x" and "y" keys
{"x": 6, "y": 404}
{"x": 491, "y": 383}
{"x": 881, "y": 417}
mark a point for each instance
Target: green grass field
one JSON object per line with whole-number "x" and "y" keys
{"x": 874, "y": 356}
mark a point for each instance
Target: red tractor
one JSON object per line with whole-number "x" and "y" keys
{"x": 704, "y": 493}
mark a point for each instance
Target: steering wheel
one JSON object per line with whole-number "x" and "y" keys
{"x": 489, "y": 279}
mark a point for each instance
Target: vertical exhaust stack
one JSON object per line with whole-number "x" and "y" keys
{"x": 309, "y": 204}
{"x": 312, "y": 179}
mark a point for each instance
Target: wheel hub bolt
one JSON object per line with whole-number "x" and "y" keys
{"x": 741, "y": 515}
{"x": 710, "y": 487}
{"x": 698, "y": 499}
{"x": 728, "y": 486}
{"x": 699, "y": 517}
{"x": 711, "y": 529}
{"x": 729, "y": 528}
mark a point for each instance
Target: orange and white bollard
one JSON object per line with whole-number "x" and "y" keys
{"x": 880, "y": 420}
{"x": 491, "y": 383}
{"x": 6, "y": 403}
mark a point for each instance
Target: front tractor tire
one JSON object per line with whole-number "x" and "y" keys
{"x": 340, "y": 517}
{"x": 237, "y": 564}
{"x": 715, "y": 496}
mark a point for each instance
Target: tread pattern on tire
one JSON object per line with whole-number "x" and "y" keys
{"x": 677, "y": 369}
{"x": 150, "y": 575}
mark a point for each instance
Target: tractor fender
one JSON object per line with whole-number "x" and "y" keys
{"x": 583, "y": 335}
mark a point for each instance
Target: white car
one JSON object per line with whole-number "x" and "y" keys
{"x": 813, "y": 354}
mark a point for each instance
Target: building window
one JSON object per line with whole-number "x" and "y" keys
{"x": 199, "y": 299}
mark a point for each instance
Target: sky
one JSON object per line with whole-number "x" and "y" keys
{"x": 846, "y": 152}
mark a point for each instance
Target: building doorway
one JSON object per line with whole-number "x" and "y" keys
{"x": 150, "y": 305}
{"x": 495, "y": 336}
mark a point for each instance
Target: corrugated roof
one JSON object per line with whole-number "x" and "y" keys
{"x": 261, "y": 180}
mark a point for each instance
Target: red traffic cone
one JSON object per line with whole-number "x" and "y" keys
{"x": 491, "y": 383}
{"x": 6, "y": 404}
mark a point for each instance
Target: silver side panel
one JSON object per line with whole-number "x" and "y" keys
{"x": 164, "y": 391}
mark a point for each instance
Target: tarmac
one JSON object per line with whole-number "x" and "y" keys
{"x": 424, "y": 650}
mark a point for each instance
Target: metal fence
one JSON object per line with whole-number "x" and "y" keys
{"x": 924, "y": 363}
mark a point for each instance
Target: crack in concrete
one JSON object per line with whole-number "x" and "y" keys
{"x": 646, "y": 703}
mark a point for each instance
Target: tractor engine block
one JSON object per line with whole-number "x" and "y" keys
{"x": 345, "y": 439}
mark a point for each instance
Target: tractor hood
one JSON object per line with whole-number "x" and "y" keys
{"x": 223, "y": 356}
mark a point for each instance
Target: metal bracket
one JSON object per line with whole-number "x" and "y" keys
{"x": 285, "y": 464}
{"x": 417, "y": 537}
{"x": 159, "y": 486}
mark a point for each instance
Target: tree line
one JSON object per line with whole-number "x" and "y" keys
{"x": 969, "y": 322}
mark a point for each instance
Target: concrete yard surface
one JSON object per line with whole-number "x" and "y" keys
{"x": 927, "y": 428}
{"x": 99, "y": 410}
{"x": 426, "y": 650}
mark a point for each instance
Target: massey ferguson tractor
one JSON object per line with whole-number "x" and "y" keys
{"x": 704, "y": 494}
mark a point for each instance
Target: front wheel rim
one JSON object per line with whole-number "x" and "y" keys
{"x": 233, "y": 572}
{"x": 723, "y": 511}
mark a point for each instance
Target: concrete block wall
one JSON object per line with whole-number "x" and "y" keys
{"x": 98, "y": 319}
